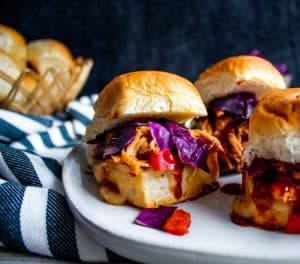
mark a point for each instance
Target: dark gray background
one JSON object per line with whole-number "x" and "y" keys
{"x": 177, "y": 36}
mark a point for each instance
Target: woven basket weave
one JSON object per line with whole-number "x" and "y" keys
{"x": 46, "y": 94}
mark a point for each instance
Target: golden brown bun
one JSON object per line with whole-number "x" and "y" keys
{"x": 145, "y": 94}
{"x": 274, "y": 129}
{"x": 239, "y": 74}
{"x": 13, "y": 43}
{"x": 150, "y": 189}
{"x": 9, "y": 73}
{"x": 48, "y": 53}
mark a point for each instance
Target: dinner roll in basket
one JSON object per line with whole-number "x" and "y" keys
{"x": 9, "y": 72}
{"x": 13, "y": 43}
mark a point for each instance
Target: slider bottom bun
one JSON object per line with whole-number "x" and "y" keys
{"x": 149, "y": 189}
{"x": 264, "y": 205}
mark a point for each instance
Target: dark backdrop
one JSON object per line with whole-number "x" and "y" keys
{"x": 177, "y": 36}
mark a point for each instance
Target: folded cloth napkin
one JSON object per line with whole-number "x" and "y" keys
{"x": 34, "y": 215}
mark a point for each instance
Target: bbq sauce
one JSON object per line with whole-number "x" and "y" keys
{"x": 274, "y": 183}
{"x": 207, "y": 189}
{"x": 177, "y": 188}
{"x": 232, "y": 189}
{"x": 210, "y": 188}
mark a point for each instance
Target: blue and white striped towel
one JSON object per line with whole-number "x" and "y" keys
{"x": 34, "y": 216}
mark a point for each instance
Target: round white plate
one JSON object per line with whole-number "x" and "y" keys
{"x": 212, "y": 238}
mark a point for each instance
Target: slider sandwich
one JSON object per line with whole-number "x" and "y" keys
{"x": 271, "y": 176}
{"x": 230, "y": 89}
{"x": 138, "y": 148}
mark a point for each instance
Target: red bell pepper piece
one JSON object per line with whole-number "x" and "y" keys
{"x": 163, "y": 161}
{"x": 178, "y": 223}
{"x": 293, "y": 225}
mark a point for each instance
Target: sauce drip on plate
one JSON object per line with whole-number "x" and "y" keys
{"x": 232, "y": 188}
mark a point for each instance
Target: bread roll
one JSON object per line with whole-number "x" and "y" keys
{"x": 13, "y": 43}
{"x": 48, "y": 53}
{"x": 239, "y": 74}
{"x": 150, "y": 189}
{"x": 145, "y": 94}
{"x": 274, "y": 131}
{"x": 9, "y": 73}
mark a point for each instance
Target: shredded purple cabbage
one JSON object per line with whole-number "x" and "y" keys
{"x": 161, "y": 135}
{"x": 241, "y": 104}
{"x": 256, "y": 53}
{"x": 168, "y": 136}
{"x": 191, "y": 151}
{"x": 154, "y": 218}
{"x": 119, "y": 142}
{"x": 282, "y": 68}
{"x": 112, "y": 142}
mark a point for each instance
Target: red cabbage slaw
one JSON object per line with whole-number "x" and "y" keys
{"x": 155, "y": 218}
{"x": 168, "y": 136}
{"x": 282, "y": 68}
{"x": 241, "y": 104}
{"x": 169, "y": 219}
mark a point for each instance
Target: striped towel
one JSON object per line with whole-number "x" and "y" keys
{"x": 34, "y": 215}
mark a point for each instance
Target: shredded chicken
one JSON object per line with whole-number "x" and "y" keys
{"x": 232, "y": 132}
{"x": 212, "y": 143}
{"x": 137, "y": 154}
{"x": 132, "y": 162}
{"x": 215, "y": 150}
{"x": 140, "y": 142}
{"x": 213, "y": 165}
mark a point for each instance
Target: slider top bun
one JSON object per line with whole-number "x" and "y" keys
{"x": 48, "y": 53}
{"x": 274, "y": 129}
{"x": 145, "y": 94}
{"x": 239, "y": 74}
{"x": 13, "y": 43}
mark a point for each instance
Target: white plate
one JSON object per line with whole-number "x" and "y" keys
{"x": 212, "y": 238}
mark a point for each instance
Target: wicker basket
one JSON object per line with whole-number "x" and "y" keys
{"x": 45, "y": 94}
